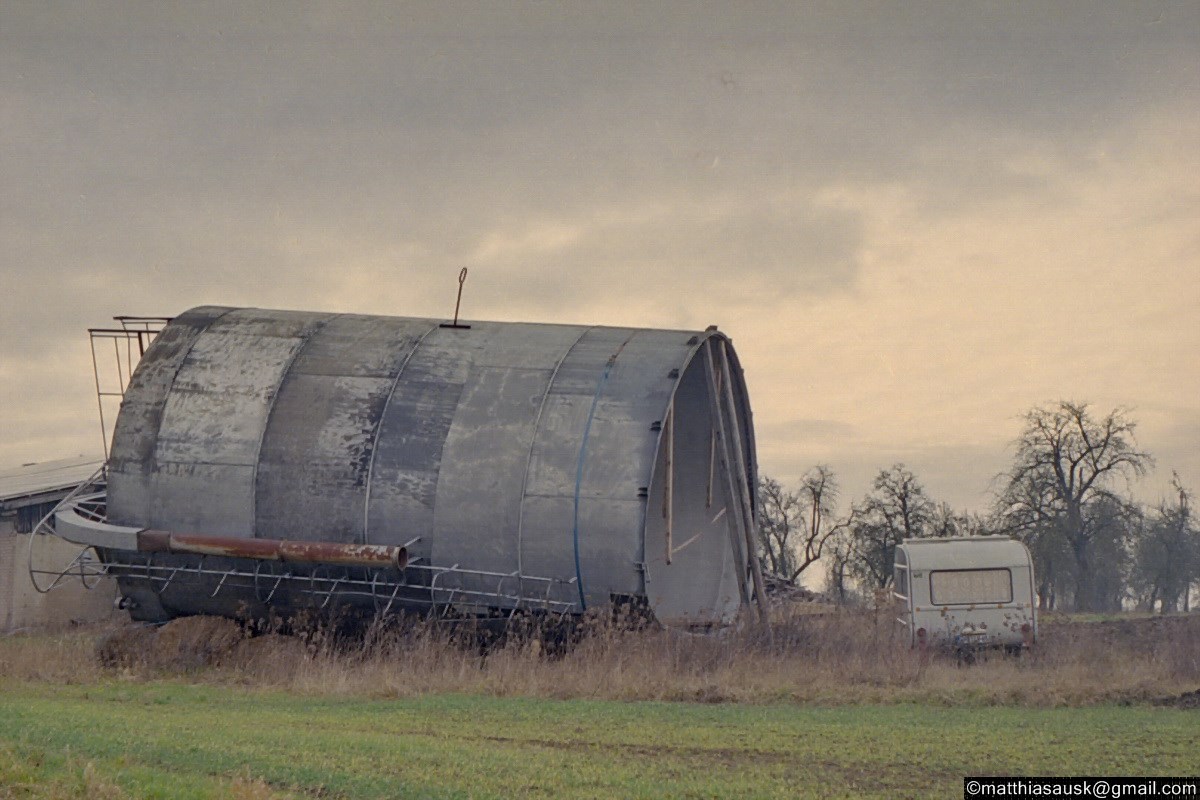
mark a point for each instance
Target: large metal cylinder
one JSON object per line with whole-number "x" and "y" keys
{"x": 519, "y": 463}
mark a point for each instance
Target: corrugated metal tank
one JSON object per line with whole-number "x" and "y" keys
{"x": 529, "y": 451}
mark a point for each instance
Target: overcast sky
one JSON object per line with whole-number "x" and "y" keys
{"x": 915, "y": 220}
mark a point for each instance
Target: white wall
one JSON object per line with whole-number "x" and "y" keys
{"x": 21, "y": 606}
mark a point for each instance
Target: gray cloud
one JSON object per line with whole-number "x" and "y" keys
{"x": 961, "y": 475}
{"x": 804, "y": 429}
{"x": 660, "y": 162}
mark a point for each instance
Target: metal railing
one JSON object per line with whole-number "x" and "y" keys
{"x": 387, "y": 590}
{"x": 135, "y": 334}
{"x": 88, "y": 499}
{"x": 438, "y": 588}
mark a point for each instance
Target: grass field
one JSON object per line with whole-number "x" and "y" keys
{"x": 826, "y": 707}
{"x": 171, "y": 739}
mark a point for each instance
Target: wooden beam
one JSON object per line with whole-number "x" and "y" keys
{"x": 743, "y": 483}
{"x": 734, "y": 520}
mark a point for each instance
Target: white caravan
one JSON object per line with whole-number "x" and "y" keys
{"x": 966, "y": 592}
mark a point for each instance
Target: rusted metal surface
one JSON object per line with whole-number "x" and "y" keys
{"x": 462, "y": 278}
{"x": 348, "y": 555}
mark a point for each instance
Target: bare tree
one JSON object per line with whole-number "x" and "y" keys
{"x": 837, "y": 567}
{"x": 778, "y": 515}
{"x": 794, "y": 527}
{"x": 1065, "y": 460}
{"x": 896, "y": 509}
{"x": 1031, "y": 514}
{"x": 946, "y": 521}
{"x": 819, "y": 490}
{"x": 1116, "y": 526}
{"x": 1167, "y": 556}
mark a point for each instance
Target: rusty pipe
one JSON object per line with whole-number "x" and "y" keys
{"x": 350, "y": 555}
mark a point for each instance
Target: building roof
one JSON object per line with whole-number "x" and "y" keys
{"x": 44, "y": 477}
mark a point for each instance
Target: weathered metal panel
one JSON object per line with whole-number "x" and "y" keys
{"x": 553, "y": 518}
{"x": 547, "y": 546}
{"x": 483, "y": 469}
{"x": 583, "y": 370}
{"x": 701, "y": 540}
{"x": 219, "y": 405}
{"x": 525, "y": 455}
{"x": 312, "y": 472}
{"x": 525, "y": 345}
{"x": 486, "y": 453}
{"x": 131, "y": 460}
{"x": 215, "y": 418}
{"x": 357, "y": 345}
{"x": 315, "y": 461}
{"x": 555, "y": 457}
{"x": 610, "y": 548}
{"x": 408, "y": 452}
{"x": 620, "y": 457}
{"x": 208, "y": 498}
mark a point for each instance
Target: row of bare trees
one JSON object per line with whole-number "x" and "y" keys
{"x": 1067, "y": 495}
{"x": 796, "y": 528}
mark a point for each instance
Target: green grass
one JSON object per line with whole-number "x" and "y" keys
{"x": 171, "y": 739}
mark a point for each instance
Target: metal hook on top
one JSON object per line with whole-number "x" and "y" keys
{"x": 462, "y": 278}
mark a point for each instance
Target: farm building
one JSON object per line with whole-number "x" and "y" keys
{"x": 27, "y": 494}
{"x": 278, "y": 460}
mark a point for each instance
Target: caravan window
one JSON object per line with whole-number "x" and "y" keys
{"x": 956, "y": 587}
{"x": 900, "y": 579}
{"x": 900, "y": 574}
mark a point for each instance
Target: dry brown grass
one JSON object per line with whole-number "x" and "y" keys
{"x": 831, "y": 658}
